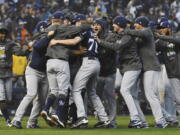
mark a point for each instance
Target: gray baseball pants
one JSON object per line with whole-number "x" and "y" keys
{"x": 58, "y": 74}
{"x": 37, "y": 89}
{"x": 87, "y": 78}
{"x": 175, "y": 85}
{"x": 105, "y": 88}
{"x": 150, "y": 81}
{"x": 128, "y": 86}
{"x": 167, "y": 100}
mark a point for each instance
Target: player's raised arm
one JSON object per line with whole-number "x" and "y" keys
{"x": 119, "y": 41}
{"x": 124, "y": 41}
{"x": 68, "y": 42}
{"x": 173, "y": 39}
{"x": 141, "y": 29}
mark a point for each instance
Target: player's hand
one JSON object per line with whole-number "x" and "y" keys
{"x": 52, "y": 42}
{"x": 51, "y": 33}
{"x": 96, "y": 37}
{"x": 156, "y": 34}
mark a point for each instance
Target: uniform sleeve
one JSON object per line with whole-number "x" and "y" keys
{"x": 171, "y": 39}
{"x": 138, "y": 33}
{"x": 160, "y": 46}
{"x": 41, "y": 43}
{"x": 119, "y": 44}
{"x": 83, "y": 35}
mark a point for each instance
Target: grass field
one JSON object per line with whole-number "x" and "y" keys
{"x": 121, "y": 130}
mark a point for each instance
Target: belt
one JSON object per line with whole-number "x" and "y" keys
{"x": 92, "y": 58}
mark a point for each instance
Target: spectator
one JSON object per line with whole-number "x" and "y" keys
{"x": 91, "y": 8}
{"x": 31, "y": 19}
{"x": 67, "y": 5}
{"x": 22, "y": 32}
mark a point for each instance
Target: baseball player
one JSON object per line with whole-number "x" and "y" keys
{"x": 168, "y": 45}
{"x": 135, "y": 93}
{"x": 106, "y": 80}
{"x": 59, "y": 78}
{"x": 151, "y": 67}
{"x": 7, "y": 49}
{"x": 36, "y": 80}
{"x": 130, "y": 66}
{"x": 87, "y": 78}
{"x": 50, "y": 105}
{"x": 163, "y": 83}
{"x": 75, "y": 63}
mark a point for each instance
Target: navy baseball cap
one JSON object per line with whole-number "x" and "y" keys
{"x": 58, "y": 15}
{"x": 120, "y": 21}
{"x": 41, "y": 26}
{"x": 164, "y": 24}
{"x": 162, "y": 19}
{"x": 100, "y": 22}
{"x": 142, "y": 20}
{"x": 79, "y": 17}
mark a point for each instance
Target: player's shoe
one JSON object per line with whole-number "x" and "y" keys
{"x": 112, "y": 125}
{"x": 173, "y": 123}
{"x": 33, "y": 126}
{"x": 145, "y": 125}
{"x": 102, "y": 124}
{"x": 8, "y": 123}
{"x": 161, "y": 125}
{"x": 135, "y": 124}
{"x": 82, "y": 122}
{"x": 47, "y": 119}
{"x": 17, "y": 124}
{"x": 58, "y": 122}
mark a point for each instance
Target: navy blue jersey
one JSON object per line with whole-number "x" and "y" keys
{"x": 90, "y": 43}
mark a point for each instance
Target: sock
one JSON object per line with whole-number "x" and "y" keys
{"x": 5, "y": 114}
{"x": 49, "y": 102}
{"x": 65, "y": 108}
{"x": 60, "y": 108}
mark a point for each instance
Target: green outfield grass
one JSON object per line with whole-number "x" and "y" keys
{"x": 121, "y": 130}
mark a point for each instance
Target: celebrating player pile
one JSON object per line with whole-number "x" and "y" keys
{"x": 75, "y": 61}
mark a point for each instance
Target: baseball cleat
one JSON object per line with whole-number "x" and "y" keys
{"x": 161, "y": 125}
{"x": 102, "y": 124}
{"x": 145, "y": 125}
{"x": 82, "y": 122}
{"x": 135, "y": 124}
{"x": 33, "y": 126}
{"x": 58, "y": 122}
{"x": 47, "y": 119}
{"x": 8, "y": 123}
{"x": 112, "y": 125}
{"x": 17, "y": 124}
{"x": 173, "y": 123}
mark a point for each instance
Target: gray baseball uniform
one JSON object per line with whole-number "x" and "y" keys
{"x": 169, "y": 46}
{"x": 36, "y": 83}
{"x": 130, "y": 66}
{"x": 87, "y": 78}
{"x": 151, "y": 68}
